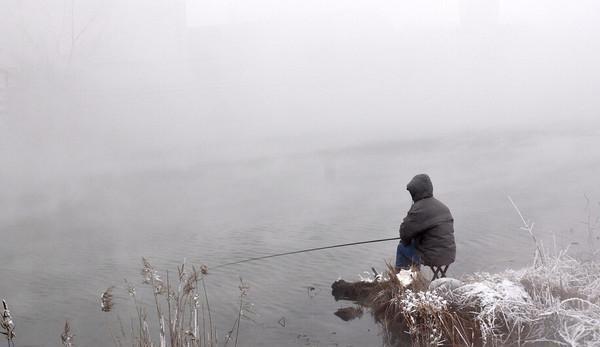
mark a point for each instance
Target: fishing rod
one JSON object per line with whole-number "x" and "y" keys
{"x": 304, "y": 251}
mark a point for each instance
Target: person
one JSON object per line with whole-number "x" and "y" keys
{"x": 427, "y": 231}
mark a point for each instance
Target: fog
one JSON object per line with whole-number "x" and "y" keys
{"x": 224, "y": 129}
{"x": 105, "y": 80}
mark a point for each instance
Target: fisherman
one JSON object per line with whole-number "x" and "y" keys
{"x": 427, "y": 231}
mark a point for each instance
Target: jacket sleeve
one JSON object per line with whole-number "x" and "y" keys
{"x": 412, "y": 225}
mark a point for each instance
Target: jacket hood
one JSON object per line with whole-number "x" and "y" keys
{"x": 420, "y": 187}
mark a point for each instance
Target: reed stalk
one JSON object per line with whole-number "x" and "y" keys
{"x": 179, "y": 326}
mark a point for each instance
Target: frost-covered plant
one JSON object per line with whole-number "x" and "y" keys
{"x": 67, "y": 337}
{"x": 421, "y": 312}
{"x": 7, "y": 324}
{"x": 183, "y": 313}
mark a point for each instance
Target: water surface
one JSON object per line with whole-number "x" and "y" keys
{"x": 67, "y": 238}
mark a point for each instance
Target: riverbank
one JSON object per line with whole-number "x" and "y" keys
{"x": 555, "y": 301}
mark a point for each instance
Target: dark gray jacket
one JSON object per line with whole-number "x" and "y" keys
{"x": 429, "y": 223}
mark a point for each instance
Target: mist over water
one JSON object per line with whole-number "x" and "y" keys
{"x": 216, "y": 131}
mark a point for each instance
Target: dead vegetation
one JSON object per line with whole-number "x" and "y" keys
{"x": 182, "y": 315}
{"x": 7, "y": 324}
{"x": 555, "y": 301}
{"x": 66, "y": 338}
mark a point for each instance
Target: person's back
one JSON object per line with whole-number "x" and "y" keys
{"x": 427, "y": 231}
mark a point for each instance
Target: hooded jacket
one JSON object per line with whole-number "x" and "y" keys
{"x": 429, "y": 224}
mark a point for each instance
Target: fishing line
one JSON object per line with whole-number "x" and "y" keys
{"x": 303, "y": 251}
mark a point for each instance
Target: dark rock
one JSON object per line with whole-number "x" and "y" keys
{"x": 349, "y": 313}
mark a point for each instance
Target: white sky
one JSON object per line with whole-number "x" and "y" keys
{"x": 446, "y": 64}
{"x": 425, "y": 12}
{"x": 336, "y": 70}
{"x": 217, "y": 12}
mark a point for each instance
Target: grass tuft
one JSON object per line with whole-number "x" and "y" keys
{"x": 7, "y": 324}
{"x": 106, "y": 299}
{"x": 67, "y": 337}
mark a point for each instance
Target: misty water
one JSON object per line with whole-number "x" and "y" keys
{"x": 68, "y": 239}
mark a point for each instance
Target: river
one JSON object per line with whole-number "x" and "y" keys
{"x": 66, "y": 240}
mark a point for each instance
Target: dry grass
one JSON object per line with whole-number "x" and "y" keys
{"x": 106, "y": 300}
{"x": 425, "y": 317}
{"x": 182, "y": 317}
{"x": 7, "y": 324}
{"x": 67, "y": 337}
{"x": 555, "y": 301}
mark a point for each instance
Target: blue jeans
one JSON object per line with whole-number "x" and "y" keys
{"x": 407, "y": 256}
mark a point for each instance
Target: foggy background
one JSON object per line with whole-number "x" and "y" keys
{"x": 88, "y": 83}
{"x": 220, "y": 130}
